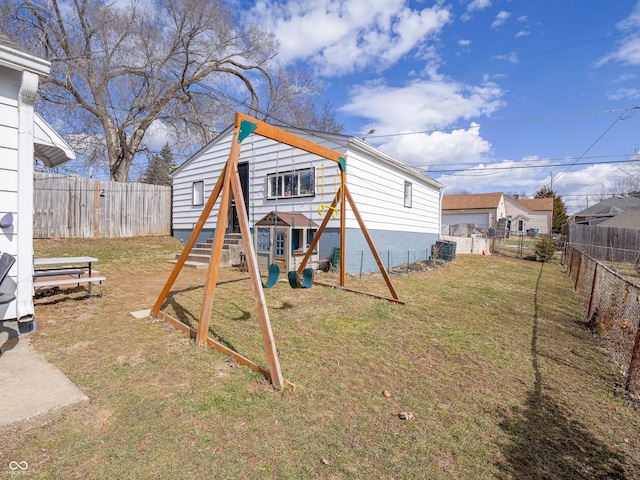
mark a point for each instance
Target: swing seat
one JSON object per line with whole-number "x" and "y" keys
{"x": 274, "y": 273}
{"x": 307, "y": 278}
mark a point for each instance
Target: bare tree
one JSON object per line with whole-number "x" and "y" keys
{"x": 292, "y": 102}
{"x": 119, "y": 68}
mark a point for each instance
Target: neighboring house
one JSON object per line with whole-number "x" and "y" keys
{"x": 477, "y": 213}
{"x": 400, "y": 206}
{"x": 606, "y": 209}
{"x": 23, "y": 137}
{"x": 530, "y": 214}
{"x": 627, "y": 219}
{"x": 472, "y": 213}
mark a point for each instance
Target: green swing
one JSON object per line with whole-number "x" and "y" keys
{"x": 272, "y": 279}
{"x": 307, "y": 278}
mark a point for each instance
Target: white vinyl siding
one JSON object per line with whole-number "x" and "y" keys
{"x": 377, "y": 186}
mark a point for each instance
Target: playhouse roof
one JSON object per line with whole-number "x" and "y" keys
{"x": 285, "y": 219}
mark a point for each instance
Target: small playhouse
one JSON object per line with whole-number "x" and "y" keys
{"x": 283, "y": 238}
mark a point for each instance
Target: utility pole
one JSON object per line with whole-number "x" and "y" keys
{"x": 551, "y": 180}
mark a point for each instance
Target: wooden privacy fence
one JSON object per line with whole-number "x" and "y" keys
{"x": 602, "y": 242}
{"x": 75, "y": 207}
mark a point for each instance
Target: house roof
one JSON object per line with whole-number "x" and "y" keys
{"x": 626, "y": 219}
{"x": 17, "y": 58}
{"x": 610, "y": 207}
{"x": 286, "y": 219}
{"x": 471, "y": 201}
{"x": 48, "y": 146}
{"x": 537, "y": 204}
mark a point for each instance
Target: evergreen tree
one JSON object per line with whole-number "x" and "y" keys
{"x": 159, "y": 168}
{"x": 559, "y": 209}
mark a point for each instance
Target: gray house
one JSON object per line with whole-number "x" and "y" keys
{"x": 606, "y": 209}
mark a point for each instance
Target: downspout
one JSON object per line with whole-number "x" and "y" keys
{"x": 24, "y": 223}
{"x": 440, "y": 214}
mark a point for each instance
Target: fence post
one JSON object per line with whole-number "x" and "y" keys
{"x": 361, "y": 260}
{"x": 633, "y": 382}
{"x": 578, "y": 272}
{"x": 593, "y": 290}
{"x": 408, "y": 269}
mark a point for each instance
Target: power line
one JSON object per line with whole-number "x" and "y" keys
{"x": 514, "y": 167}
{"x": 506, "y": 123}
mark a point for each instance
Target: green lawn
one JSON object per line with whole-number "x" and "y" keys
{"x": 489, "y": 358}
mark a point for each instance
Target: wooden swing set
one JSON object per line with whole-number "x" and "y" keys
{"x": 229, "y": 185}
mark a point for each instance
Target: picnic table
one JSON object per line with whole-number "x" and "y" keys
{"x": 49, "y": 272}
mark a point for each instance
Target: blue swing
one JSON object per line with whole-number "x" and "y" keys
{"x": 307, "y": 278}
{"x": 274, "y": 273}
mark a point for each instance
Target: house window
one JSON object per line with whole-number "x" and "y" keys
{"x": 521, "y": 224}
{"x": 299, "y": 183}
{"x": 408, "y": 194}
{"x": 197, "y": 193}
{"x": 264, "y": 242}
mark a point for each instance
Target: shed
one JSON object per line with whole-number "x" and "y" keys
{"x": 399, "y": 204}
{"x": 23, "y": 136}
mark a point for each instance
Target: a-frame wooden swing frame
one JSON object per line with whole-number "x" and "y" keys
{"x": 228, "y": 184}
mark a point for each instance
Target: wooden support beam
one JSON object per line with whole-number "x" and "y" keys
{"x": 343, "y": 228}
{"x": 279, "y": 135}
{"x": 193, "y": 238}
{"x": 256, "y": 282}
{"x": 218, "y": 241}
{"x": 372, "y": 247}
{"x": 316, "y": 238}
{"x": 192, "y": 332}
{"x": 381, "y": 297}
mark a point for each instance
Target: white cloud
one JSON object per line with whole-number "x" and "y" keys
{"x": 628, "y": 50}
{"x": 511, "y": 57}
{"x": 523, "y": 33}
{"x": 422, "y": 104}
{"x": 424, "y": 109}
{"x": 503, "y": 176}
{"x": 478, "y": 5}
{"x": 424, "y": 149}
{"x": 500, "y": 20}
{"x": 157, "y": 135}
{"x": 624, "y": 94}
{"x": 338, "y": 37}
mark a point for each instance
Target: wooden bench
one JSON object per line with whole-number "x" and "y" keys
{"x": 70, "y": 281}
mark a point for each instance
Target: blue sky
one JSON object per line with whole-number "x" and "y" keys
{"x": 479, "y": 88}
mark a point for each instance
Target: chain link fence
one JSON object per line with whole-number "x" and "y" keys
{"x": 360, "y": 262}
{"x": 613, "y": 304}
